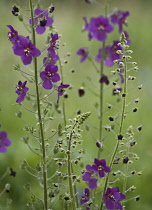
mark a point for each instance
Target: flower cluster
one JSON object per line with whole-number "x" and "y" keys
{"x": 112, "y": 196}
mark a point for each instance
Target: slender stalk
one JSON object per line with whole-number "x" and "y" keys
{"x": 43, "y": 160}
{"x": 69, "y": 168}
{"x": 101, "y": 84}
{"x": 121, "y": 125}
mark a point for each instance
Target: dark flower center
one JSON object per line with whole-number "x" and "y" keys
{"x": 43, "y": 22}
{"x": 101, "y": 28}
{"x": 27, "y": 51}
{"x": 111, "y": 197}
{"x": 49, "y": 75}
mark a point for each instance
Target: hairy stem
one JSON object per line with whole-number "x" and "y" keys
{"x": 42, "y": 141}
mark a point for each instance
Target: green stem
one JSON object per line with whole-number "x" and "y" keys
{"x": 43, "y": 161}
{"x": 101, "y": 84}
{"x": 121, "y": 127}
{"x": 69, "y": 168}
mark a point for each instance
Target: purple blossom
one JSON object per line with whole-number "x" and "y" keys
{"x": 112, "y": 198}
{"x": 98, "y": 28}
{"x": 13, "y": 34}
{"x": 41, "y": 20}
{"x": 89, "y": 177}
{"x": 26, "y": 50}
{"x": 104, "y": 79}
{"x": 53, "y": 43}
{"x": 100, "y": 167}
{"x": 86, "y": 197}
{"x": 119, "y": 17}
{"x": 116, "y": 90}
{"x": 51, "y": 58}
{"x": 49, "y": 75}
{"x": 61, "y": 90}
{"x": 4, "y": 141}
{"x": 110, "y": 54}
{"x": 21, "y": 90}
{"x": 83, "y": 52}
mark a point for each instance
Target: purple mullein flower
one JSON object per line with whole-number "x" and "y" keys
{"x": 112, "y": 198}
{"x": 61, "y": 90}
{"x": 104, "y": 79}
{"x": 4, "y": 141}
{"x": 98, "y": 28}
{"x": 83, "y": 52}
{"x": 26, "y": 50}
{"x": 41, "y": 20}
{"x": 21, "y": 90}
{"x": 100, "y": 167}
{"x": 54, "y": 37}
{"x": 110, "y": 54}
{"x": 51, "y": 58}
{"x": 119, "y": 17}
{"x": 49, "y": 75}
{"x": 13, "y": 34}
{"x": 88, "y": 177}
{"x": 85, "y": 198}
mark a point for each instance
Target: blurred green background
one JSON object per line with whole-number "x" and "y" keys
{"x": 68, "y": 21}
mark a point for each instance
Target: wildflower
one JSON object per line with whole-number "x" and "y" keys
{"x": 100, "y": 167}
{"x": 84, "y": 53}
{"x": 104, "y": 79}
{"x": 13, "y": 34}
{"x": 86, "y": 197}
{"x": 119, "y": 17}
{"x": 26, "y": 50}
{"x": 49, "y": 75}
{"x": 98, "y": 28}
{"x": 88, "y": 177}
{"x": 112, "y": 198}
{"x": 41, "y": 20}
{"x": 53, "y": 44}
{"x": 110, "y": 54}
{"x": 21, "y": 90}
{"x": 61, "y": 90}
{"x": 4, "y": 141}
{"x": 51, "y": 58}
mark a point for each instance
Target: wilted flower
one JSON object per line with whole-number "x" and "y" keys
{"x": 61, "y": 90}
{"x": 104, "y": 79}
{"x": 86, "y": 197}
{"x": 112, "y": 198}
{"x": 119, "y": 17}
{"x": 4, "y": 141}
{"x": 13, "y": 34}
{"x": 21, "y": 90}
{"x": 15, "y": 10}
{"x": 41, "y": 20}
{"x": 83, "y": 52}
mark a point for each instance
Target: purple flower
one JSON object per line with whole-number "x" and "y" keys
{"x": 61, "y": 90}
{"x": 41, "y": 20}
{"x": 119, "y": 18}
{"x": 104, "y": 79}
{"x": 116, "y": 90}
{"x": 26, "y": 50}
{"x": 86, "y": 197}
{"x": 49, "y": 75}
{"x": 98, "y": 28}
{"x": 4, "y": 141}
{"x": 13, "y": 34}
{"x": 100, "y": 167}
{"x": 84, "y": 53}
{"x": 21, "y": 90}
{"x": 54, "y": 37}
{"x": 112, "y": 198}
{"x": 110, "y": 54}
{"x": 51, "y": 58}
{"x": 88, "y": 177}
